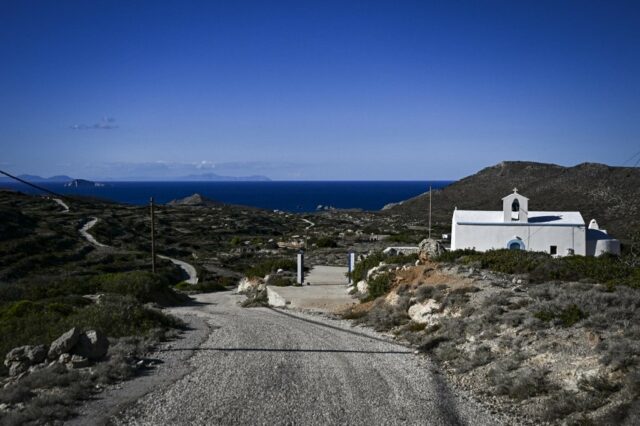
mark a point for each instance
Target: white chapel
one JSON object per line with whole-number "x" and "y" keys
{"x": 517, "y": 228}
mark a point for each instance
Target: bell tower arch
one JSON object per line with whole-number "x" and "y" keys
{"x": 515, "y": 207}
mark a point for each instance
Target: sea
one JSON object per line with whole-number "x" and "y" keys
{"x": 290, "y": 196}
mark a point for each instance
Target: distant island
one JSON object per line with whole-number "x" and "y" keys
{"x": 205, "y": 177}
{"x": 82, "y": 183}
{"x": 36, "y": 178}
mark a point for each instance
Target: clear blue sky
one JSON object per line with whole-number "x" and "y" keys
{"x": 315, "y": 90}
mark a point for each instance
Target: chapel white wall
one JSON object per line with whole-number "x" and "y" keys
{"x": 535, "y": 237}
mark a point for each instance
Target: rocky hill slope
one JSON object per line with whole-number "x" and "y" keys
{"x": 611, "y": 195}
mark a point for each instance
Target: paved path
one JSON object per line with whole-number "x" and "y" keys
{"x": 261, "y": 366}
{"x": 188, "y": 268}
{"x": 326, "y": 291}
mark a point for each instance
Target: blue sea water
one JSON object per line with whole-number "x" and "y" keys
{"x": 292, "y": 196}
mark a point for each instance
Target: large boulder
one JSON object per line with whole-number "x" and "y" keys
{"x": 64, "y": 343}
{"x": 430, "y": 248}
{"x": 92, "y": 345}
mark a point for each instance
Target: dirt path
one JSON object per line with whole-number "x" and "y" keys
{"x": 84, "y": 231}
{"x": 188, "y": 268}
{"x": 62, "y": 204}
{"x": 264, "y": 366}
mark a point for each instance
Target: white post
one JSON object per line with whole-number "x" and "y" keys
{"x": 300, "y": 278}
{"x": 352, "y": 265}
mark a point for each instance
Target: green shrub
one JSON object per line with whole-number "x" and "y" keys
{"x": 209, "y": 286}
{"x": 568, "y": 316}
{"x": 402, "y": 259}
{"x": 542, "y": 267}
{"x": 326, "y": 242}
{"x": 31, "y": 323}
{"x": 270, "y": 266}
{"x": 360, "y": 270}
{"x": 281, "y": 281}
{"x": 404, "y": 237}
{"x": 379, "y": 286}
{"x": 143, "y": 286}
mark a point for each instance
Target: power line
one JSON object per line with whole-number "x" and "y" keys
{"x": 637, "y": 154}
{"x": 31, "y": 184}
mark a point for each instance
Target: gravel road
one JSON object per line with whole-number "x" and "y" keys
{"x": 267, "y": 366}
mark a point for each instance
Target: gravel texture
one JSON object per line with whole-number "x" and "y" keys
{"x": 170, "y": 365}
{"x": 268, "y": 366}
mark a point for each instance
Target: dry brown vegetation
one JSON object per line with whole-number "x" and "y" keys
{"x": 562, "y": 352}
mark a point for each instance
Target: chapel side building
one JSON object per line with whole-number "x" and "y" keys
{"x": 517, "y": 228}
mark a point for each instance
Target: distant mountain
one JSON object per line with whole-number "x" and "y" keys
{"x": 212, "y": 177}
{"x": 36, "y": 178}
{"x": 608, "y": 194}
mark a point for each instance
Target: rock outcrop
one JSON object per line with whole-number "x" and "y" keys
{"x": 429, "y": 248}
{"x": 64, "y": 343}
{"x": 21, "y": 358}
{"x": 92, "y": 345}
{"x": 73, "y": 348}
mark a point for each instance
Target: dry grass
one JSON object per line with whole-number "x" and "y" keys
{"x": 528, "y": 345}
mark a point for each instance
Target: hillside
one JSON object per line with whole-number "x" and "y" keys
{"x": 611, "y": 195}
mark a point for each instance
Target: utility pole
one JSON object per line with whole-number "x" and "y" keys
{"x": 153, "y": 238}
{"x": 429, "y": 211}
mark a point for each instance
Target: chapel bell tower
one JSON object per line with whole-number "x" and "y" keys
{"x": 515, "y": 207}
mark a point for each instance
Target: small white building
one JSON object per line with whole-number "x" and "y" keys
{"x": 517, "y": 228}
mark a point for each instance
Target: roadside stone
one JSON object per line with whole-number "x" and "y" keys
{"x": 64, "y": 343}
{"x": 92, "y": 345}
{"x": 64, "y": 358}
{"x": 78, "y": 361}
{"x": 363, "y": 287}
{"x": 37, "y": 367}
{"x": 274, "y": 299}
{"x": 37, "y": 354}
{"x": 17, "y": 355}
{"x": 17, "y": 368}
{"x": 247, "y": 285}
{"x": 424, "y": 313}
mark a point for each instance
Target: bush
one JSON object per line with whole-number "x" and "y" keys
{"x": 401, "y": 259}
{"x": 542, "y": 267}
{"x": 209, "y": 286}
{"x": 270, "y": 266}
{"x": 143, "y": 286}
{"x": 519, "y": 384}
{"x": 567, "y": 316}
{"x": 378, "y": 286}
{"x": 326, "y": 242}
{"x": 359, "y": 272}
{"x": 32, "y": 323}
